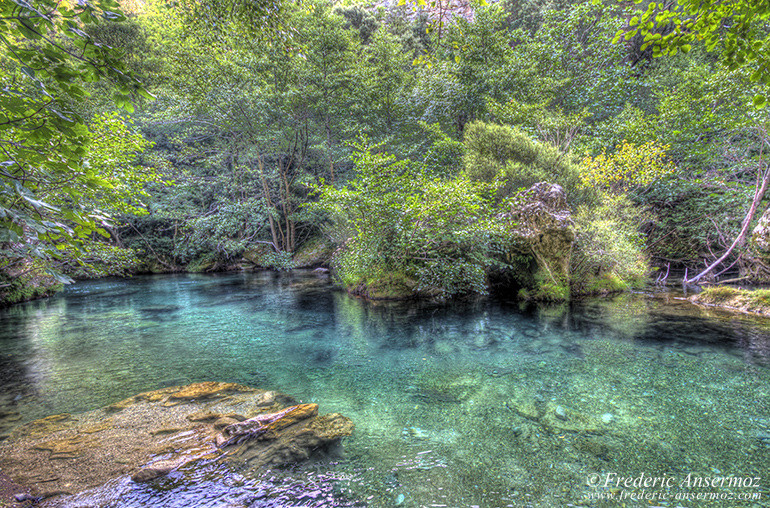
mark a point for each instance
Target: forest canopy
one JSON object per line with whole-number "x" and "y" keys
{"x": 388, "y": 142}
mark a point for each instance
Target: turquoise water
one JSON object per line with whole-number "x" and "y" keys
{"x": 474, "y": 403}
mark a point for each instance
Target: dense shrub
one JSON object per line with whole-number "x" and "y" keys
{"x": 609, "y": 249}
{"x": 412, "y": 234}
{"x": 499, "y": 152}
{"x": 630, "y": 166}
{"x": 101, "y": 260}
{"x": 692, "y": 218}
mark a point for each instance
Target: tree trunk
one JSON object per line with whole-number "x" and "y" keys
{"x": 763, "y": 178}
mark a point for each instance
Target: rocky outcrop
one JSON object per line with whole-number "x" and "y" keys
{"x": 747, "y": 301}
{"x": 756, "y": 266}
{"x": 760, "y": 236}
{"x": 151, "y": 434}
{"x": 542, "y": 227}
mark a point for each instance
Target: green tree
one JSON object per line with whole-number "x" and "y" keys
{"x": 49, "y": 192}
{"x": 409, "y": 233}
{"x": 737, "y": 29}
{"x": 498, "y": 152}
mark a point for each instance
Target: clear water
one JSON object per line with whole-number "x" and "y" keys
{"x": 437, "y": 392}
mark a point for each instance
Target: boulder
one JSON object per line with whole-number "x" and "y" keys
{"x": 542, "y": 227}
{"x": 151, "y": 434}
{"x": 756, "y": 264}
{"x": 760, "y": 236}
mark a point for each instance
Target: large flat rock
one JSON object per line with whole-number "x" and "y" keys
{"x": 151, "y": 434}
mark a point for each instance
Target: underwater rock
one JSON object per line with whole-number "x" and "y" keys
{"x": 592, "y": 446}
{"x": 156, "y": 470}
{"x": 568, "y": 420}
{"x": 447, "y": 387}
{"x": 151, "y": 434}
{"x": 552, "y": 417}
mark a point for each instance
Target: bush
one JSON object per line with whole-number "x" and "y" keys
{"x": 101, "y": 260}
{"x": 496, "y": 151}
{"x": 629, "y": 166}
{"x": 692, "y": 219}
{"x": 609, "y": 250}
{"x": 412, "y": 234}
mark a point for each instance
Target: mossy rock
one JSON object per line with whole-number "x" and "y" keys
{"x": 546, "y": 289}
{"x": 756, "y": 301}
{"x": 205, "y": 263}
{"x": 26, "y": 287}
{"x": 604, "y": 284}
{"x": 313, "y": 254}
{"x": 392, "y": 286}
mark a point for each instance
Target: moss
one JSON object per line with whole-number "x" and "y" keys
{"x": 605, "y": 283}
{"x": 265, "y": 257}
{"x": 718, "y": 294}
{"x": 755, "y": 301}
{"x": 205, "y": 263}
{"x": 762, "y": 296}
{"x": 313, "y": 253}
{"x": 552, "y": 292}
{"x": 546, "y": 288}
{"x": 25, "y": 288}
{"x": 393, "y": 286}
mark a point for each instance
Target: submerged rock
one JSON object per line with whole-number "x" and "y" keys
{"x": 552, "y": 417}
{"x": 151, "y": 434}
{"x": 442, "y": 386}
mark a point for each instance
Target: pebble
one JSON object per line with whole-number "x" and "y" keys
{"x": 414, "y": 432}
{"x": 400, "y": 499}
{"x": 560, "y": 413}
{"x": 607, "y": 418}
{"x": 23, "y": 497}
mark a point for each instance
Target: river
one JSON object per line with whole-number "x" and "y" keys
{"x": 482, "y": 402}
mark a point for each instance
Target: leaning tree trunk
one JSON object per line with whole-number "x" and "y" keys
{"x": 763, "y": 178}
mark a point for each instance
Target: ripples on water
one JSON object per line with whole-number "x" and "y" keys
{"x": 447, "y": 399}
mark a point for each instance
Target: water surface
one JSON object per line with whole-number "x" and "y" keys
{"x": 474, "y": 403}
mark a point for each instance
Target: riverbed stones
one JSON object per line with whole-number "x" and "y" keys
{"x": 556, "y": 418}
{"x": 45, "y": 426}
{"x": 151, "y": 434}
{"x": 442, "y": 386}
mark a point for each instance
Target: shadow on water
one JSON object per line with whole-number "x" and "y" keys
{"x": 480, "y": 402}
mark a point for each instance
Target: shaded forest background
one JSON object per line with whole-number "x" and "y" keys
{"x": 386, "y": 140}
